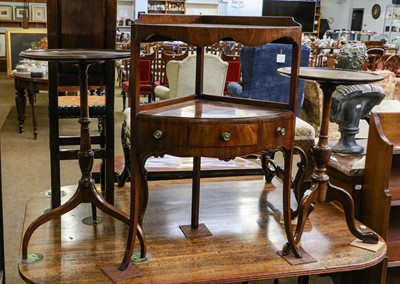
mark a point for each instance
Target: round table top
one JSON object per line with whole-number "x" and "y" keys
{"x": 75, "y": 55}
{"x": 334, "y": 76}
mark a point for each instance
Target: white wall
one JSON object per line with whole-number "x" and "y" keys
{"x": 202, "y": 8}
{"x": 140, "y": 5}
{"x": 245, "y": 8}
{"x": 341, "y": 12}
{"x": 338, "y": 11}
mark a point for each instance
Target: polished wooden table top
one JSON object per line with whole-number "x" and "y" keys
{"x": 74, "y": 55}
{"x": 334, "y": 76}
{"x": 207, "y": 109}
{"x": 242, "y": 213}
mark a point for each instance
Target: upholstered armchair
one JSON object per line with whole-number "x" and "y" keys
{"x": 261, "y": 81}
{"x": 181, "y": 77}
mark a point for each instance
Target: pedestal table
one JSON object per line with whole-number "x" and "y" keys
{"x": 321, "y": 190}
{"x": 86, "y": 191}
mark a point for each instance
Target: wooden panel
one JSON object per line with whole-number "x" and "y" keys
{"x": 393, "y": 237}
{"x": 382, "y": 179}
{"x": 74, "y": 33}
{"x": 98, "y": 17}
{"x": 376, "y": 196}
{"x": 394, "y": 181}
{"x": 95, "y": 28}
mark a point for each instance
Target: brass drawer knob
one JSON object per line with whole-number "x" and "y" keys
{"x": 158, "y": 134}
{"x": 226, "y": 136}
{"x": 281, "y": 131}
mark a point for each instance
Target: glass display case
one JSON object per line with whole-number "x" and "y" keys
{"x": 391, "y": 27}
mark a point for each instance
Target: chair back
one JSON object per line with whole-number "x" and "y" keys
{"x": 146, "y": 68}
{"x": 166, "y": 57}
{"x": 375, "y": 55}
{"x": 233, "y": 73}
{"x": 181, "y": 75}
{"x": 260, "y": 79}
{"x": 392, "y": 63}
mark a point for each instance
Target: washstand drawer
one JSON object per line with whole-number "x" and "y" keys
{"x": 162, "y": 133}
{"x": 277, "y": 133}
{"x": 231, "y": 135}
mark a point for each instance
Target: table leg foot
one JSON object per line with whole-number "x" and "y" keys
{"x": 200, "y": 231}
{"x": 293, "y": 260}
{"x": 50, "y": 215}
{"x": 305, "y": 205}
{"x": 335, "y": 193}
{"x": 116, "y": 274}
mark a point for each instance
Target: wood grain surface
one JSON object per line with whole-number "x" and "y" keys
{"x": 243, "y": 216}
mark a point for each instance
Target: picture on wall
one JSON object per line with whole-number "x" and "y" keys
{"x": 38, "y": 13}
{"x": 2, "y": 45}
{"x": 18, "y": 40}
{"x": 19, "y": 12}
{"x": 5, "y": 12}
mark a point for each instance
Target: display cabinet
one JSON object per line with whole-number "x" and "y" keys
{"x": 380, "y": 202}
{"x": 166, "y": 7}
{"x": 391, "y": 26}
{"x": 317, "y": 20}
{"x": 125, "y": 13}
{"x": 20, "y": 14}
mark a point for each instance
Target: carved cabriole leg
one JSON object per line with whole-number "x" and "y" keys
{"x": 144, "y": 187}
{"x": 302, "y": 179}
{"x": 134, "y": 209}
{"x": 125, "y": 174}
{"x": 287, "y": 214}
{"x": 268, "y": 165}
{"x": 344, "y": 198}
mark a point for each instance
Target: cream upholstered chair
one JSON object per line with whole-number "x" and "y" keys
{"x": 181, "y": 77}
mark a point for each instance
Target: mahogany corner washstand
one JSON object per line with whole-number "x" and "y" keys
{"x": 86, "y": 191}
{"x": 321, "y": 189}
{"x": 205, "y": 125}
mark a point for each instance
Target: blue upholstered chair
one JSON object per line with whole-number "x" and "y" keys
{"x": 260, "y": 79}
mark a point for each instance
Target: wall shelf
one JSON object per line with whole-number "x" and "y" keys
{"x": 166, "y": 7}
{"x": 391, "y": 26}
